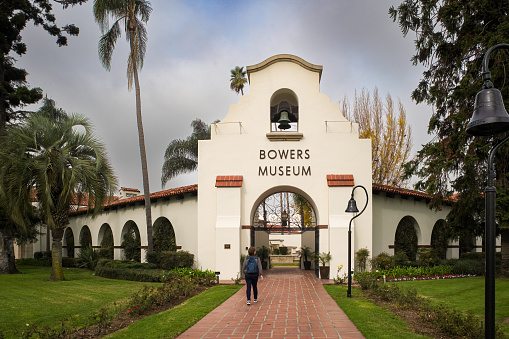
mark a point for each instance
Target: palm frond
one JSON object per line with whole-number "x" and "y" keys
{"x": 106, "y": 44}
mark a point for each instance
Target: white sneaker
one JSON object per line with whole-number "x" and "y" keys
{"x": 256, "y": 300}
{"x": 248, "y": 302}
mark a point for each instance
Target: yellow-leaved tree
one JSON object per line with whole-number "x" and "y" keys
{"x": 386, "y": 126}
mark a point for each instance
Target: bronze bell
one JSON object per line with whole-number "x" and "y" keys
{"x": 352, "y": 206}
{"x": 284, "y": 121}
{"x": 490, "y": 116}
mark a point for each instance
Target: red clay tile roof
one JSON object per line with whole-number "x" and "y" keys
{"x": 141, "y": 198}
{"x": 400, "y": 191}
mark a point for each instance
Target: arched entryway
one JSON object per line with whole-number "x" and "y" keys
{"x": 284, "y": 220}
{"x": 406, "y": 240}
{"x": 131, "y": 241}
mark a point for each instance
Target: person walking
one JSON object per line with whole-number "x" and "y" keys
{"x": 252, "y": 268}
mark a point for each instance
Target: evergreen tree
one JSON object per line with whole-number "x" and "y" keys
{"x": 451, "y": 38}
{"x": 14, "y": 91}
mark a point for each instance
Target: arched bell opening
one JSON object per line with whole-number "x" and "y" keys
{"x": 284, "y": 111}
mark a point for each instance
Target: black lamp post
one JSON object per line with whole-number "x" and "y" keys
{"x": 489, "y": 118}
{"x": 352, "y": 208}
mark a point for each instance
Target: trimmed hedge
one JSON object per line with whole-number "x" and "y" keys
{"x": 66, "y": 262}
{"x": 134, "y": 271}
{"x": 170, "y": 260}
{"x": 127, "y": 270}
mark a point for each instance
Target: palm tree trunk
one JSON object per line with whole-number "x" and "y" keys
{"x": 57, "y": 272}
{"x": 7, "y": 259}
{"x": 143, "y": 154}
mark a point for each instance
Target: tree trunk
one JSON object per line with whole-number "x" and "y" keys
{"x": 143, "y": 154}
{"x": 57, "y": 272}
{"x": 7, "y": 259}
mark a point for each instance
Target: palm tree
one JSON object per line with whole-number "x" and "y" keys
{"x": 181, "y": 156}
{"x": 58, "y": 158}
{"x": 238, "y": 79}
{"x": 132, "y": 15}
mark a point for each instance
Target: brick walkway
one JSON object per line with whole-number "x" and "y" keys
{"x": 292, "y": 304}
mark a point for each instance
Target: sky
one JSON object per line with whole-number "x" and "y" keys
{"x": 193, "y": 45}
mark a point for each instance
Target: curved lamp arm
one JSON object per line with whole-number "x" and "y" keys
{"x": 486, "y": 74}
{"x": 366, "y": 205}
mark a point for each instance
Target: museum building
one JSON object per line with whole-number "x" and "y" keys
{"x": 283, "y": 143}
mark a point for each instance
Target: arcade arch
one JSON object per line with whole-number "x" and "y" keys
{"x": 440, "y": 239}
{"x": 85, "y": 237}
{"x": 105, "y": 240}
{"x": 164, "y": 235}
{"x": 131, "y": 241}
{"x": 68, "y": 243}
{"x": 407, "y": 237}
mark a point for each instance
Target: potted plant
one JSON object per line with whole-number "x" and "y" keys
{"x": 263, "y": 253}
{"x": 324, "y": 259}
{"x": 305, "y": 252}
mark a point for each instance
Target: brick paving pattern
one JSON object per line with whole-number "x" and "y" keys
{"x": 292, "y": 304}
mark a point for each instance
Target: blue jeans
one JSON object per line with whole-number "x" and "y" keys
{"x": 251, "y": 280}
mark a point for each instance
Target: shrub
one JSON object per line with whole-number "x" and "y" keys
{"x": 87, "y": 257}
{"x": 283, "y": 250}
{"x": 473, "y": 267}
{"x": 153, "y": 257}
{"x": 42, "y": 255}
{"x": 34, "y": 262}
{"x": 171, "y": 260}
{"x": 450, "y": 322}
{"x": 361, "y": 257}
{"x": 366, "y": 280}
{"x": 275, "y": 251}
{"x": 425, "y": 257}
{"x": 383, "y": 261}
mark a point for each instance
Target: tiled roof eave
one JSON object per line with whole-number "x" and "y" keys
{"x": 141, "y": 198}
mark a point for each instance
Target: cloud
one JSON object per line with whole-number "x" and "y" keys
{"x": 192, "y": 47}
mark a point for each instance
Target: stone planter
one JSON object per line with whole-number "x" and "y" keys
{"x": 324, "y": 272}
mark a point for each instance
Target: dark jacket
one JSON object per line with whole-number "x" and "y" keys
{"x": 258, "y": 261}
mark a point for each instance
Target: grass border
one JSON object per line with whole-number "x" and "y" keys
{"x": 373, "y": 321}
{"x": 173, "y": 322}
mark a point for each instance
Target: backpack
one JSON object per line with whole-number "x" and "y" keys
{"x": 252, "y": 266}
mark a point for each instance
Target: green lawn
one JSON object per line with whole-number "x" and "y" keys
{"x": 373, "y": 321}
{"x": 465, "y": 294}
{"x": 30, "y": 298}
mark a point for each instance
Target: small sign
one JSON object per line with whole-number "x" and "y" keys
{"x": 227, "y": 246}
